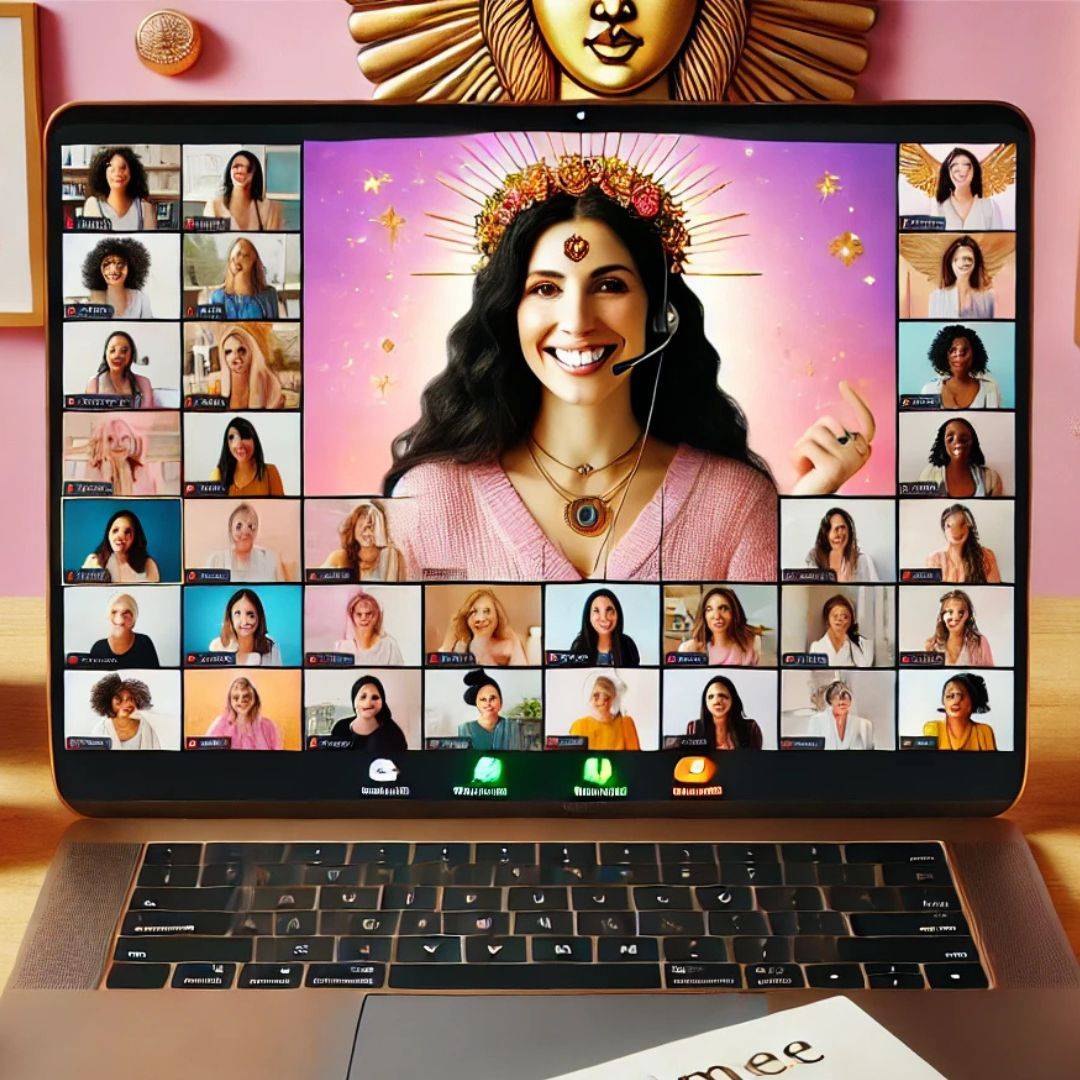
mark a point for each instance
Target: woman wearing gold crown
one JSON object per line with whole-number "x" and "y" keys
{"x": 537, "y": 457}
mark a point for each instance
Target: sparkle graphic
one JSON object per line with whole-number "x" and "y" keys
{"x": 374, "y": 183}
{"x": 381, "y": 384}
{"x": 391, "y": 221}
{"x": 869, "y": 279}
{"x": 829, "y": 184}
{"x": 847, "y": 247}
{"x": 387, "y": 345}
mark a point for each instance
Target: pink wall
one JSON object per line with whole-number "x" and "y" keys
{"x": 1014, "y": 50}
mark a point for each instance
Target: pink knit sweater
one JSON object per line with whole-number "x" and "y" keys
{"x": 717, "y": 516}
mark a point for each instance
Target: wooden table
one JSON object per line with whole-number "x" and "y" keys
{"x": 32, "y": 817}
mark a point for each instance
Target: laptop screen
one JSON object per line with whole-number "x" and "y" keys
{"x": 488, "y": 460}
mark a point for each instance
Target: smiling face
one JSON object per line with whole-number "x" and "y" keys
{"x": 243, "y": 529}
{"x": 614, "y": 46}
{"x": 488, "y": 702}
{"x": 244, "y": 618}
{"x": 483, "y": 618}
{"x": 118, "y": 353}
{"x": 963, "y": 262}
{"x": 839, "y": 619}
{"x": 600, "y": 699}
{"x": 121, "y": 535}
{"x": 838, "y": 532}
{"x": 121, "y": 617}
{"x": 955, "y": 614}
{"x": 365, "y": 615}
{"x": 368, "y": 702}
{"x": 114, "y": 269}
{"x": 957, "y": 701}
{"x": 718, "y": 700}
{"x": 719, "y": 615}
{"x": 236, "y": 354}
{"x": 123, "y": 705}
{"x": 240, "y": 446}
{"x": 957, "y": 440}
{"x": 241, "y": 697}
{"x": 603, "y": 616}
{"x": 119, "y": 442}
{"x": 575, "y": 320}
{"x": 117, "y": 173}
{"x": 961, "y": 356}
{"x": 961, "y": 171}
{"x": 241, "y": 172}
{"x": 957, "y": 529}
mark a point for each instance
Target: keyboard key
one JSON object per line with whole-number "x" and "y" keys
{"x": 575, "y": 950}
{"x": 448, "y": 854}
{"x": 810, "y": 853}
{"x": 730, "y": 923}
{"x": 806, "y": 873}
{"x": 897, "y": 981}
{"x": 137, "y": 976}
{"x": 808, "y": 922}
{"x": 568, "y": 854}
{"x": 907, "y": 949}
{"x": 894, "y": 853}
{"x": 428, "y": 873}
{"x": 422, "y": 922}
{"x": 176, "y": 876}
{"x": 892, "y": 969}
{"x": 762, "y": 950}
{"x": 429, "y": 950}
{"x": 845, "y": 874}
{"x": 332, "y": 875}
{"x": 671, "y": 923}
{"x": 557, "y": 923}
{"x": 517, "y": 854}
{"x": 835, "y": 976}
{"x": 472, "y": 874}
{"x": 691, "y": 874}
{"x": 611, "y": 898}
{"x": 251, "y": 874}
{"x": 150, "y": 923}
{"x": 182, "y": 899}
{"x": 956, "y": 977}
{"x": 346, "y": 976}
{"x": 203, "y": 976}
{"x": 402, "y": 897}
{"x": 913, "y": 925}
{"x": 623, "y": 950}
{"x": 172, "y": 854}
{"x": 916, "y": 898}
{"x": 170, "y": 950}
{"x": 774, "y": 976}
{"x": 746, "y": 853}
{"x": 478, "y": 899}
{"x": 316, "y": 854}
{"x": 468, "y": 923}
{"x": 552, "y": 898}
{"x": 790, "y": 898}
{"x": 240, "y": 852}
{"x": 703, "y": 976}
{"x": 627, "y": 854}
{"x": 662, "y": 898}
{"x": 739, "y": 898}
{"x": 853, "y": 898}
{"x": 295, "y": 924}
{"x": 252, "y": 922}
{"x": 607, "y": 923}
{"x": 364, "y": 949}
{"x": 687, "y": 853}
{"x": 271, "y": 976}
{"x": 751, "y": 873}
{"x": 624, "y": 874}
{"x": 495, "y": 950}
{"x": 380, "y": 854}
{"x": 283, "y": 950}
{"x": 916, "y": 874}
{"x": 286, "y": 898}
{"x": 816, "y": 949}
{"x": 525, "y": 977}
{"x": 375, "y": 923}
{"x": 690, "y": 948}
{"x": 534, "y": 874}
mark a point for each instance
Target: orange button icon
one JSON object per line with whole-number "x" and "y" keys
{"x": 694, "y": 770}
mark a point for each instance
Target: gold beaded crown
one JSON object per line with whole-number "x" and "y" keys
{"x": 641, "y": 181}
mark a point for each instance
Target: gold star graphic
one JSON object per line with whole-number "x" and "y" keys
{"x": 381, "y": 385}
{"x": 391, "y": 221}
{"x": 829, "y": 184}
{"x": 374, "y": 183}
{"x": 847, "y": 247}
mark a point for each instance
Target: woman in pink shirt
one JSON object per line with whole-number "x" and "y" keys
{"x": 537, "y": 456}
{"x": 956, "y": 634}
{"x": 721, "y": 631}
{"x": 242, "y": 721}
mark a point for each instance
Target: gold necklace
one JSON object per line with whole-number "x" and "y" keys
{"x": 585, "y": 469}
{"x": 587, "y": 515}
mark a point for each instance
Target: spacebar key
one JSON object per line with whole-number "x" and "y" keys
{"x": 525, "y": 977}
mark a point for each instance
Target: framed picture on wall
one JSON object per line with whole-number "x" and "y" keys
{"x": 22, "y": 265}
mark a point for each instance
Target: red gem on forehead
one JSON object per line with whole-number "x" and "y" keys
{"x": 576, "y": 248}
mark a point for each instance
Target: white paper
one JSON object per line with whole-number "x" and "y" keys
{"x": 826, "y": 1040}
{"x": 16, "y": 292}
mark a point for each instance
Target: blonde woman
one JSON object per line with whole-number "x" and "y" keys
{"x": 606, "y": 726}
{"x": 366, "y": 551}
{"x": 122, "y": 645}
{"x": 245, "y": 294}
{"x": 114, "y": 455}
{"x": 481, "y": 627}
{"x": 364, "y": 637}
{"x": 721, "y": 632}
{"x": 241, "y": 720}
{"x": 243, "y": 558}
{"x": 246, "y": 378}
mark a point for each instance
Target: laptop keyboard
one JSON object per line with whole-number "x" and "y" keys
{"x": 547, "y": 916}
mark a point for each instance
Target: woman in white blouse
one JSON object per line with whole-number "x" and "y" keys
{"x": 244, "y": 559}
{"x": 842, "y": 642}
{"x": 959, "y": 199}
{"x": 964, "y": 292}
{"x": 117, "y": 189}
{"x": 837, "y": 548}
{"x": 838, "y": 725}
{"x": 364, "y": 637}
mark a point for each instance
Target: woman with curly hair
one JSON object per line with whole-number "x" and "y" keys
{"x": 958, "y": 466}
{"x": 241, "y": 720}
{"x": 959, "y": 357}
{"x": 115, "y": 272}
{"x": 243, "y": 197}
{"x": 482, "y": 628}
{"x": 119, "y": 702}
{"x": 964, "y": 291}
{"x": 114, "y": 376}
{"x": 956, "y": 635}
{"x": 366, "y": 551}
{"x": 118, "y": 190}
{"x": 245, "y": 293}
{"x": 123, "y": 553}
{"x": 721, "y": 632}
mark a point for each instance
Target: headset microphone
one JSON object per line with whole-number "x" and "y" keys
{"x": 669, "y": 330}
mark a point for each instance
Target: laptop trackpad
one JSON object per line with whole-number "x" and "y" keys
{"x": 527, "y": 1037}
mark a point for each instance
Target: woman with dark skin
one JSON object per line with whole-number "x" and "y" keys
{"x": 372, "y": 727}
{"x": 958, "y": 355}
{"x": 118, "y": 702}
{"x": 722, "y": 720}
{"x": 957, "y": 464}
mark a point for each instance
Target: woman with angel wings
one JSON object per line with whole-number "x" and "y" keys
{"x": 961, "y": 188}
{"x": 961, "y": 269}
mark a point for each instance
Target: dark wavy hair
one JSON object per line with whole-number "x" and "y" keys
{"x": 972, "y": 633}
{"x": 257, "y": 185}
{"x": 938, "y": 454}
{"x": 979, "y": 277}
{"x": 972, "y": 554}
{"x": 137, "y": 554}
{"x": 97, "y": 182}
{"x": 134, "y": 254}
{"x": 739, "y": 724}
{"x": 740, "y": 631}
{"x": 227, "y": 463}
{"x": 383, "y": 717}
{"x": 853, "y": 629}
{"x": 821, "y": 544}
{"x": 104, "y": 365}
{"x": 943, "y": 339}
{"x": 262, "y": 640}
{"x": 975, "y": 685}
{"x": 624, "y": 652}
{"x": 945, "y": 186}
{"x": 104, "y": 690}
{"x": 486, "y": 399}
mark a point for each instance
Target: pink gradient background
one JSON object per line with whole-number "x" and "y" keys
{"x": 304, "y": 53}
{"x": 786, "y": 337}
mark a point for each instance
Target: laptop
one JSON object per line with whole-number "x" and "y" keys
{"x": 621, "y": 518}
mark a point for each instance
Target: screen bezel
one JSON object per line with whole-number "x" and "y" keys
{"x": 772, "y": 784}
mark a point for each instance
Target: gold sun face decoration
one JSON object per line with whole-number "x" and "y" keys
{"x": 550, "y": 50}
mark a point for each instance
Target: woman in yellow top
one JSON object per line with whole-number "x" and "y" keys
{"x": 241, "y": 465}
{"x": 962, "y": 696}
{"x": 608, "y": 727}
